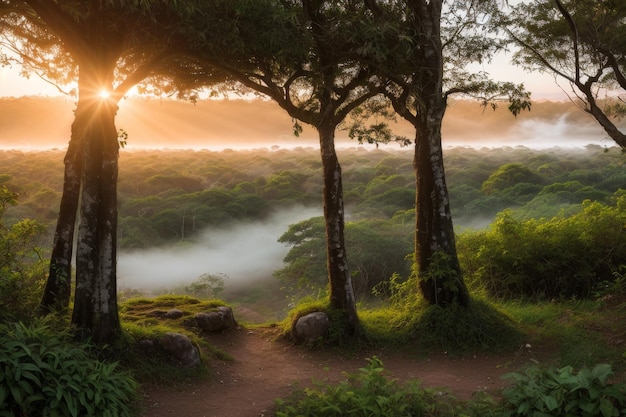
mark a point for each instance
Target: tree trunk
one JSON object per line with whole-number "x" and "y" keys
{"x": 438, "y": 267}
{"x": 340, "y": 281}
{"x": 95, "y": 307}
{"x": 56, "y": 296}
{"x": 609, "y": 127}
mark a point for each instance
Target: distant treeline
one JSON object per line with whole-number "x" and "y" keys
{"x": 531, "y": 250}
{"x": 168, "y": 195}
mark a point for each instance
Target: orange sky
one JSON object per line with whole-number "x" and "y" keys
{"x": 33, "y": 122}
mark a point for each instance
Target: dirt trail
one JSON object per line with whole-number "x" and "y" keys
{"x": 264, "y": 369}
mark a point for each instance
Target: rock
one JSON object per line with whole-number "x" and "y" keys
{"x": 173, "y": 314}
{"x": 214, "y": 321}
{"x": 181, "y": 348}
{"x": 156, "y": 313}
{"x": 147, "y": 346}
{"x": 311, "y": 327}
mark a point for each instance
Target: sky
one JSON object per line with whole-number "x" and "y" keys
{"x": 542, "y": 86}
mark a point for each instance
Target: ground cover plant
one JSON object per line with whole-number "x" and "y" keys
{"x": 368, "y": 393}
{"x": 537, "y": 391}
{"x": 43, "y": 374}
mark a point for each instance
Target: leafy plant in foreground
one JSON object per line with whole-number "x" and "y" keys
{"x": 42, "y": 374}
{"x": 368, "y": 393}
{"x": 562, "y": 392}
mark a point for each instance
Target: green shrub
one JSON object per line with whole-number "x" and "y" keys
{"x": 561, "y": 258}
{"x": 368, "y": 393}
{"x": 22, "y": 268}
{"x": 42, "y": 374}
{"x": 562, "y": 392}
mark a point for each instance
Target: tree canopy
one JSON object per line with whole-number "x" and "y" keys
{"x": 107, "y": 47}
{"x": 581, "y": 42}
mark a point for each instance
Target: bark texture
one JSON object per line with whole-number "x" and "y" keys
{"x": 438, "y": 269}
{"x": 439, "y": 272}
{"x": 56, "y": 296}
{"x": 95, "y": 305}
{"x": 340, "y": 280}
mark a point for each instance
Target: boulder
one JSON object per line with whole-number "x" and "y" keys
{"x": 183, "y": 351}
{"x": 173, "y": 314}
{"x": 156, "y": 313}
{"x": 311, "y": 328}
{"x": 214, "y": 321}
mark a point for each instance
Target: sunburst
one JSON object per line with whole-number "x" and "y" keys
{"x": 104, "y": 94}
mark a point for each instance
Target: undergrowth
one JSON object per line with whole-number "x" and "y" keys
{"x": 537, "y": 391}
{"x": 42, "y": 373}
{"x": 368, "y": 393}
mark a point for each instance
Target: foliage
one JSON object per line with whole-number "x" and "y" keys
{"x": 22, "y": 268}
{"x": 368, "y": 393}
{"x": 539, "y": 391}
{"x": 378, "y": 250}
{"x": 509, "y": 175}
{"x": 43, "y": 374}
{"x": 206, "y": 286}
{"x": 580, "y": 42}
{"x": 564, "y": 257}
{"x": 153, "y": 213}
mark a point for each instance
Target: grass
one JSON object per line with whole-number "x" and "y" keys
{"x": 455, "y": 330}
{"x": 579, "y": 333}
{"x": 142, "y": 321}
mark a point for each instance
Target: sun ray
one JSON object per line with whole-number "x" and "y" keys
{"x": 104, "y": 94}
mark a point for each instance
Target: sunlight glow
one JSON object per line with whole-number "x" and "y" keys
{"x": 104, "y": 94}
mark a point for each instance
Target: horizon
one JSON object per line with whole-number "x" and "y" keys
{"x": 43, "y": 123}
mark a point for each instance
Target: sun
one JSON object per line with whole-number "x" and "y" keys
{"x": 104, "y": 94}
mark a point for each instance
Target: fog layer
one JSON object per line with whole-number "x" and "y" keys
{"x": 245, "y": 252}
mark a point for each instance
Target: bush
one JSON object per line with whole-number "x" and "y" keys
{"x": 368, "y": 393}
{"x": 22, "y": 268}
{"x": 561, "y": 258}
{"x": 42, "y": 374}
{"x": 562, "y": 392}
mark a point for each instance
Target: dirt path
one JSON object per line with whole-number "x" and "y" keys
{"x": 264, "y": 369}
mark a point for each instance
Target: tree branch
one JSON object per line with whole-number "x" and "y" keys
{"x": 61, "y": 24}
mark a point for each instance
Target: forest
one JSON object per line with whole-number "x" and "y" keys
{"x": 171, "y": 198}
{"x": 503, "y": 250}
{"x": 540, "y": 234}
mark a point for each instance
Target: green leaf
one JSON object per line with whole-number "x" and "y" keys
{"x": 606, "y": 407}
{"x": 550, "y": 402}
{"x": 602, "y": 372}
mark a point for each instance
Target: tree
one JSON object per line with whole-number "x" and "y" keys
{"x": 311, "y": 57}
{"x": 439, "y": 38}
{"x": 108, "y": 46}
{"x": 582, "y": 42}
{"x": 378, "y": 248}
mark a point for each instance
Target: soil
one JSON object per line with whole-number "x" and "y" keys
{"x": 265, "y": 368}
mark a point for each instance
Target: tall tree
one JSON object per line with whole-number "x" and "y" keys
{"x": 108, "y": 46}
{"x": 440, "y": 39}
{"x": 582, "y": 42}
{"x": 310, "y": 57}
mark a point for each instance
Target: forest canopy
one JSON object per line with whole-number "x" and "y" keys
{"x": 169, "y": 198}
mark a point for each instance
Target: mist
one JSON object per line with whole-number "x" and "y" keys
{"x": 245, "y": 252}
